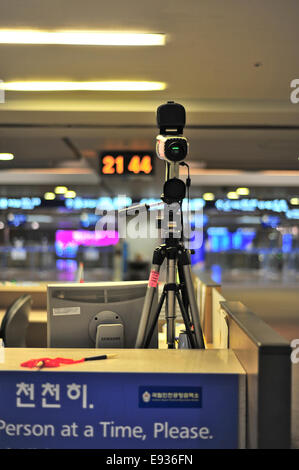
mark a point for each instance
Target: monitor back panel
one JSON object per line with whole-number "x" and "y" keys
{"x": 74, "y": 308}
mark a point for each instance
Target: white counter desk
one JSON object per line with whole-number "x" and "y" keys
{"x": 138, "y": 399}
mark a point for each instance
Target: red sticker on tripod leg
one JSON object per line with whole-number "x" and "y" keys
{"x": 153, "y": 279}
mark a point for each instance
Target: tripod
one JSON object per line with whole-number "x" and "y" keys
{"x": 177, "y": 263}
{"x": 172, "y": 147}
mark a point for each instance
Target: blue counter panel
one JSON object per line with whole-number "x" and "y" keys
{"x": 87, "y": 410}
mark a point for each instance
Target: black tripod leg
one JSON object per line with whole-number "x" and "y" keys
{"x": 158, "y": 258}
{"x": 184, "y": 260}
{"x": 170, "y": 297}
{"x": 186, "y": 320}
{"x": 155, "y": 320}
{"x": 183, "y": 288}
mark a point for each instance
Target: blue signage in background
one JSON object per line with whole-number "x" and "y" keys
{"x": 287, "y": 243}
{"x": 242, "y": 238}
{"x": 219, "y": 238}
{"x": 56, "y": 410}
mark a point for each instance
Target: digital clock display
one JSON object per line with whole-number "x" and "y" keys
{"x": 126, "y": 163}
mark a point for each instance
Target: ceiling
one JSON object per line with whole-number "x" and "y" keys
{"x": 229, "y": 63}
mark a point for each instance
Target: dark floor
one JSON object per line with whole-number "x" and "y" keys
{"x": 279, "y": 307}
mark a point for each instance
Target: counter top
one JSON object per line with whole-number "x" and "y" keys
{"x": 211, "y": 361}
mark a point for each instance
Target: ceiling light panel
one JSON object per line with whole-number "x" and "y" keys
{"x": 80, "y": 38}
{"x": 83, "y": 86}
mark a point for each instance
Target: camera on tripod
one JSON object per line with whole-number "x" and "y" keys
{"x": 173, "y": 148}
{"x": 170, "y": 144}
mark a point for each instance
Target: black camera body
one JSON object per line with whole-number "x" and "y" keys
{"x": 170, "y": 143}
{"x": 172, "y": 147}
{"x": 171, "y": 118}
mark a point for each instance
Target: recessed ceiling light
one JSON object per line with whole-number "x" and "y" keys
{"x": 70, "y": 194}
{"x": 60, "y": 190}
{"x": 208, "y": 196}
{"x": 6, "y": 156}
{"x": 243, "y": 191}
{"x": 232, "y": 195}
{"x": 83, "y": 86}
{"x": 294, "y": 201}
{"x": 49, "y": 196}
{"x": 80, "y": 38}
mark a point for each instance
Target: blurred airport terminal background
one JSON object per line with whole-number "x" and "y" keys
{"x": 62, "y": 151}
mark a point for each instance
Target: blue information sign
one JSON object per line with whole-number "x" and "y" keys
{"x": 46, "y": 410}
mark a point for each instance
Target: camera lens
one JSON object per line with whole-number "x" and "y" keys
{"x": 176, "y": 150}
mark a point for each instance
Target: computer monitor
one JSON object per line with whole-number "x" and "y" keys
{"x": 96, "y": 315}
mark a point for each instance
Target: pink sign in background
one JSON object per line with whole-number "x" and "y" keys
{"x": 77, "y": 238}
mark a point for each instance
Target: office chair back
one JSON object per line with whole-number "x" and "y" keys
{"x": 15, "y": 321}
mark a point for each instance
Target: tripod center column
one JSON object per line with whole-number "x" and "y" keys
{"x": 170, "y": 297}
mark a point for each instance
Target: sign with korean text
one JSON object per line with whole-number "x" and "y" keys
{"x": 118, "y": 410}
